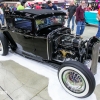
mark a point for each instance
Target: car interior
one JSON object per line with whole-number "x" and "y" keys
{"x": 24, "y": 24}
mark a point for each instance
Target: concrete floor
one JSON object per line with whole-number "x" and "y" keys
{"x": 20, "y": 83}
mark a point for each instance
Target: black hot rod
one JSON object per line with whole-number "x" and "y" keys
{"x": 42, "y": 36}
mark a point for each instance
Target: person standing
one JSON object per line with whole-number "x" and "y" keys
{"x": 37, "y": 6}
{"x": 51, "y": 6}
{"x": 14, "y": 8}
{"x": 80, "y": 20}
{"x": 6, "y": 9}
{"x": 20, "y": 6}
{"x": 89, "y": 8}
{"x": 98, "y": 32}
{"x": 1, "y": 15}
{"x": 27, "y": 6}
{"x": 71, "y": 14}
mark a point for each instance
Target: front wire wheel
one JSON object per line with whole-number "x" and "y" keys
{"x": 73, "y": 81}
{"x": 76, "y": 79}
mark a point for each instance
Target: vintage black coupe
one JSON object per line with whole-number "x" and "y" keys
{"x": 41, "y": 35}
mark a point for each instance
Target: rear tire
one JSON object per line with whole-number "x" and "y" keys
{"x": 76, "y": 79}
{"x": 3, "y": 45}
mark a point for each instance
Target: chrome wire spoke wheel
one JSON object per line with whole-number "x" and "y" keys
{"x": 76, "y": 79}
{"x": 73, "y": 81}
{"x": 1, "y": 48}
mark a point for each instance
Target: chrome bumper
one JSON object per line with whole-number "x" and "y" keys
{"x": 95, "y": 54}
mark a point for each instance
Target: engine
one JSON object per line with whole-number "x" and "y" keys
{"x": 67, "y": 47}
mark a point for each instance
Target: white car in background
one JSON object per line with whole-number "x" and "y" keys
{"x": 62, "y": 9}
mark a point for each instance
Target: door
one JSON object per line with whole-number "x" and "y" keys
{"x": 26, "y": 41}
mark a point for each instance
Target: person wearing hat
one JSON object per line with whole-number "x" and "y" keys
{"x": 1, "y": 14}
{"x": 51, "y": 6}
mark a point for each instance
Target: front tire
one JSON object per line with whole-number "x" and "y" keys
{"x": 76, "y": 79}
{"x": 3, "y": 45}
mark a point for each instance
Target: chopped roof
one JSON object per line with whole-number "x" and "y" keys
{"x": 38, "y": 12}
{"x": 33, "y": 13}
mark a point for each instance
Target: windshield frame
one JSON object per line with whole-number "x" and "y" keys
{"x": 50, "y": 24}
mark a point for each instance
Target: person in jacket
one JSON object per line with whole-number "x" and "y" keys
{"x": 19, "y": 6}
{"x": 71, "y": 14}
{"x": 98, "y": 32}
{"x": 51, "y": 6}
{"x": 89, "y": 8}
{"x": 6, "y": 9}
{"x": 80, "y": 19}
{"x": 27, "y": 6}
{"x": 37, "y": 6}
{"x": 1, "y": 15}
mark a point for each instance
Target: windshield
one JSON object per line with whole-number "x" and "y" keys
{"x": 54, "y": 20}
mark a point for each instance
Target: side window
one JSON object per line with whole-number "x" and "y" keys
{"x": 24, "y": 24}
{"x": 40, "y": 23}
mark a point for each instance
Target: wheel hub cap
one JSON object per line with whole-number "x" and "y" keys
{"x": 73, "y": 81}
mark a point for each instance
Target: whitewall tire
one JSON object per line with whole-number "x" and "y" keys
{"x": 76, "y": 79}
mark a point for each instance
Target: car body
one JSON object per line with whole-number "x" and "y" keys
{"x": 91, "y": 17}
{"x": 42, "y": 36}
